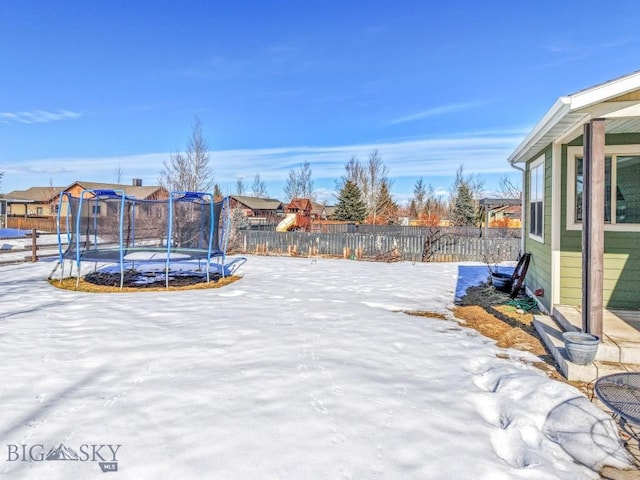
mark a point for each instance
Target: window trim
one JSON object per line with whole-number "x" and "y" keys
{"x": 612, "y": 151}
{"x": 537, "y": 163}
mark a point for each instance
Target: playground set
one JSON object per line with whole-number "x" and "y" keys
{"x": 148, "y": 241}
{"x": 297, "y": 216}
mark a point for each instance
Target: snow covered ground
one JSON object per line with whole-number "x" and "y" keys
{"x": 299, "y": 370}
{"x": 14, "y": 250}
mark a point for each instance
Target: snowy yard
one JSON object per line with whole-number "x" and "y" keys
{"x": 299, "y": 370}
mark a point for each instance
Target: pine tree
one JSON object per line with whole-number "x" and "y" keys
{"x": 351, "y": 207}
{"x": 413, "y": 209}
{"x": 463, "y": 210}
{"x": 387, "y": 208}
{"x": 217, "y": 193}
{"x": 419, "y": 196}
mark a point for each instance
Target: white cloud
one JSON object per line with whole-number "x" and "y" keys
{"x": 325, "y": 195}
{"x": 436, "y": 111}
{"x": 437, "y": 158}
{"x": 568, "y": 51}
{"x": 38, "y": 116}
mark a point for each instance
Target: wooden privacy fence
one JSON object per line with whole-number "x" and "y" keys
{"x": 42, "y": 224}
{"x": 397, "y": 247}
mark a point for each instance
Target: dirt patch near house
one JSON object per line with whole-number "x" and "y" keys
{"x": 510, "y": 323}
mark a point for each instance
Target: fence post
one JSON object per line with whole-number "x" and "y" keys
{"x": 34, "y": 245}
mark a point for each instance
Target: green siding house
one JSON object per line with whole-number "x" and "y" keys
{"x": 581, "y": 178}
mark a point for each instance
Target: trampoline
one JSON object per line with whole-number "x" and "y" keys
{"x": 187, "y": 230}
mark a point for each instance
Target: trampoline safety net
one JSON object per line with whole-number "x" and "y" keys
{"x": 109, "y": 226}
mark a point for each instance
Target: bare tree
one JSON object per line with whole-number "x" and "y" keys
{"x": 118, "y": 174}
{"x": 259, "y": 189}
{"x": 240, "y": 188}
{"x": 369, "y": 178}
{"x": 377, "y": 175}
{"x": 299, "y": 183}
{"x": 52, "y": 196}
{"x": 508, "y": 189}
{"x": 435, "y": 208}
{"x": 355, "y": 171}
{"x": 474, "y": 182}
{"x": 189, "y": 171}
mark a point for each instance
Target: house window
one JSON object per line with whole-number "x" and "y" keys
{"x": 39, "y": 211}
{"x": 621, "y": 177}
{"x": 536, "y": 199}
{"x": 95, "y": 209}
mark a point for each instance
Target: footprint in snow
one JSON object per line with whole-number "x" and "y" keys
{"x": 318, "y": 406}
{"x": 336, "y": 390}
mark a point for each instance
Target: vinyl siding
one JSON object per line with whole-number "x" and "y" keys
{"x": 539, "y": 272}
{"x": 621, "y": 282}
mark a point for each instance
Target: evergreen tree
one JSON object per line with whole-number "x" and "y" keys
{"x": 351, "y": 207}
{"x": 413, "y": 209}
{"x": 463, "y": 213}
{"x": 387, "y": 208}
{"x": 217, "y": 193}
{"x": 419, "y": 196}
{"x": 368, "y": 178}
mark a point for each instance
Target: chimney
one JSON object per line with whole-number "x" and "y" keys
{"x": 136, "y": 182}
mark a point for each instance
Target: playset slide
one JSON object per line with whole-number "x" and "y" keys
{"x": 287, "y": 224}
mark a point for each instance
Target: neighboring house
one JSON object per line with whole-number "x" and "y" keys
{"x": 44, "y": 201}
{"x": 506, "y": 217}
{"x": 37, "y": 207}
{"x": 35, "y": 201}
{"x": 258, "y": 211}
{"x": 322, "y": 212}
{"x": 501, "y": 212}
{"x": 587, "y": 145}
{"x": 135, "y": 190}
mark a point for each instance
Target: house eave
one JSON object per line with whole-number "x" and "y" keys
{"x": 553, "y": 117}
{"x": 571, "y": 111}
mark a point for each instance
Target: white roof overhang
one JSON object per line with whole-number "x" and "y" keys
{"x": 564, "y": 121}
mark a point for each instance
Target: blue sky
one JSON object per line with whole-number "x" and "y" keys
{"x": 88, "y": 86}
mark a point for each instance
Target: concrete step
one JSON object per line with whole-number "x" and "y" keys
{"x": 551, "y": 334}
{"x": 618, "y": 343}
